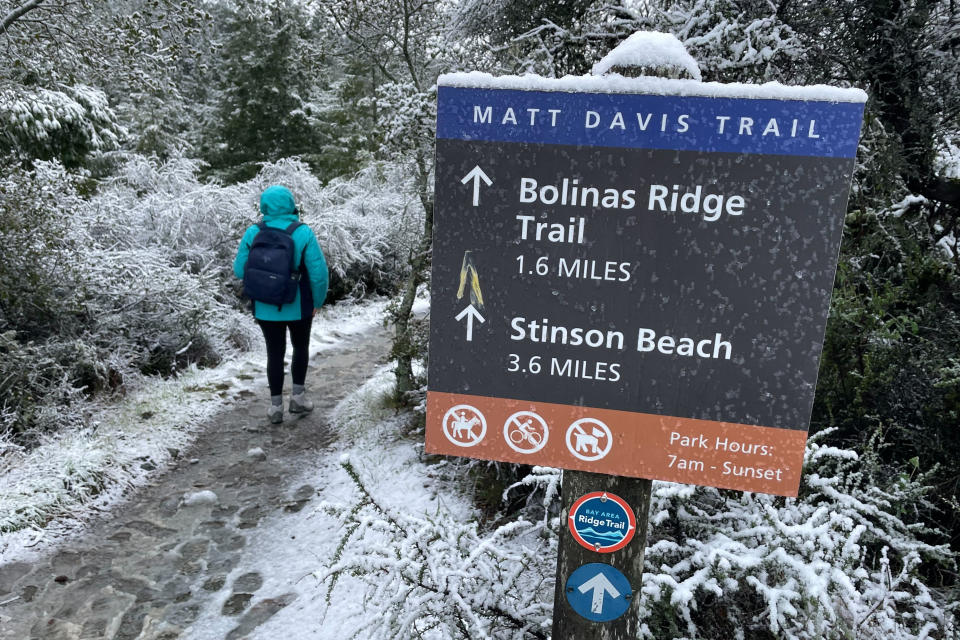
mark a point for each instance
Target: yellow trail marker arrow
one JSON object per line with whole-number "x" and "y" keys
{"x": 469, "y": 272}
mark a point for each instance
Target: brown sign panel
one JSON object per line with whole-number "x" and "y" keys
{"x": 634, "y": 284}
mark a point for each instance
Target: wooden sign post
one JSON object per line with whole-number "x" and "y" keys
{"x": 629, "y": 560}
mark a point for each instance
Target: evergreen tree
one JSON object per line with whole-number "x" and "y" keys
{"x": 265, "y": 111}
{"x": 408, "y": 45}
{"x": 346, "y": 117}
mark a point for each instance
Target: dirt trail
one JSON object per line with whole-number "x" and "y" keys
{"x": 148, "y": 571}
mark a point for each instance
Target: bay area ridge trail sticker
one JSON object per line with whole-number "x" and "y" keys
{"x": 602, "y": 522}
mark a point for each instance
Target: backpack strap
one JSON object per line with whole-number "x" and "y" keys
{"x": 293, "y": 226}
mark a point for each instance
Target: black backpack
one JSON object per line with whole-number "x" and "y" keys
{"x": 270, "y": 276}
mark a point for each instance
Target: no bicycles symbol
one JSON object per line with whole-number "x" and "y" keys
{"x": 464, "y": 425}
{"x": 526, "y": 432}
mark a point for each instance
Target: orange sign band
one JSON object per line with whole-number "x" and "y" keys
{"x": 640, "y": 445}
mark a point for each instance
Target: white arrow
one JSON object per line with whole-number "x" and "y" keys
{"x": 471, "y": 314}
{"x": 476, "y": 174}
{"x": 600, "y": 585}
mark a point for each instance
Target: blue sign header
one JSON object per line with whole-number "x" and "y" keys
{"x": 685, "y": 123}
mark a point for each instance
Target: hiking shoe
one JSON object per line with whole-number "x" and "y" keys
{"x": 275, "y": 413}
{"x": 300, "y": 404}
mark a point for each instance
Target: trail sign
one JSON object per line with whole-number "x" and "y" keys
{"x": 649, "y": 265}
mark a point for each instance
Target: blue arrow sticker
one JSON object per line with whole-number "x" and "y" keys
{"x": 598, "y": 592}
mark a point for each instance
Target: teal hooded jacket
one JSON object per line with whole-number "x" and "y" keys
{"x": 279, "y": 210}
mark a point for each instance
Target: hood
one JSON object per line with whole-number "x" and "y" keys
{"x": 277, "y": 202}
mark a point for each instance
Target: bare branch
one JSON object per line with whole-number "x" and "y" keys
{"x": 18, "y": 13}
{"x": 414, "y": 77}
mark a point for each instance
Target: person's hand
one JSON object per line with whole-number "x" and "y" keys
{"x": 316, "y": 310}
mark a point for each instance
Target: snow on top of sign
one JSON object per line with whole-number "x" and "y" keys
{"x": 649, "y": 49}
{"x": 615, "y": 83}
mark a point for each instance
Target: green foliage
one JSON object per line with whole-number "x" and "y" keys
{"x": 345, "y": 118}
{"x": 265, "y": 111}
{"x": 39, "y": 275}
{"x": 42, "y": 384}
{"x": 66, "y": 124}
{"x": 904, "y": 54}
{"x": 549, "y": 37}
{"x": 890, "y": 352}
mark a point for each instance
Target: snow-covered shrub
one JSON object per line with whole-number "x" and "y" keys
{"x": 163, "y": 206}
{"x": 40, "y": 290}
{"x": 158, "y": 316}
{"x": 66, "y": 123}
{"x": 840, "y": 561}
{"x": 366, "y": 224}
{"x": 437, "y": 577}
{"x": 38, "y": 392}
{"x": 40, "y": 242}
{"x": 88, "y": 302}
{"x": 733, "y": 41}
{"x": 408, "y": 116}
{"x": 154, "y": 262}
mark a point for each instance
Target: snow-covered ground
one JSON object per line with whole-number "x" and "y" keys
{"x": 290, "y": 548}
{"x": 48, "y": 493}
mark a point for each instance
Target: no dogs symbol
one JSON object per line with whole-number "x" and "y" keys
{"x": 589, "y": 439}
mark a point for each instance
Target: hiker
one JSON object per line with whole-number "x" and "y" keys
{"x": 285, "y": 274}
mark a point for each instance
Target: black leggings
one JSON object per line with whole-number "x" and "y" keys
{"x": 275, "y": 335}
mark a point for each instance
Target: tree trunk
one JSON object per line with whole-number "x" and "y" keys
{"x": 403, "y": 347}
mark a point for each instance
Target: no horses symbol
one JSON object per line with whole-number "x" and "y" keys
{"x": 464, "y": 425}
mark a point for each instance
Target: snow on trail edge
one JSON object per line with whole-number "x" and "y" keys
{"x": 287, "y": 548}
{"x": 48, "y": 493}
